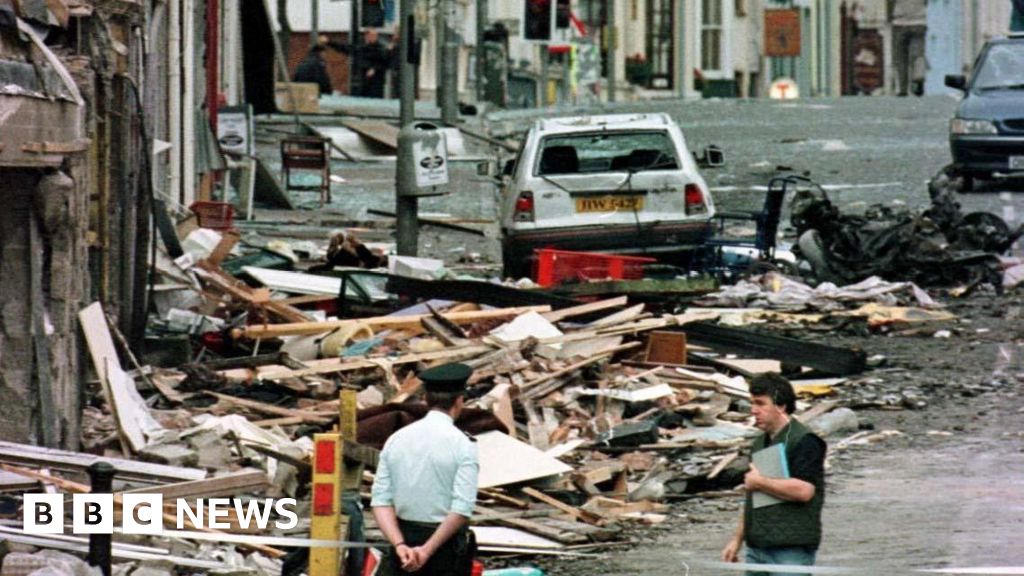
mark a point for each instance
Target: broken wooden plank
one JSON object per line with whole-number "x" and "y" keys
{"x": 579, "y": 514}
{"x": 228, "y": 239}
{"x": 543, "y": 386}
{"x": 331, "y": 365}
{"x": 817, "y": 411}
{"x": 443, "y": 333}
{"x": 630, "y": 314}
{"x": 374, "y": 130}
{"x": 722, "y": 464}
{"x": 482, "y": 514}
{"x": 130, "y": 413}
{"x": 26, "y": 455}
{"x": 583, "y": 309}
{"x": 411, "y": 321}
{"x": 229, "y": 485}
{"x": 310, "y": 417}
{"x": 505, "y": 498}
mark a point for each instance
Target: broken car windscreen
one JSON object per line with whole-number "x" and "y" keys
{"x": 1002, "y": 68}
{"x": 607, "y": 152}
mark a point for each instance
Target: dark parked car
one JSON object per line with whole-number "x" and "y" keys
{"x": 987, "y": 135}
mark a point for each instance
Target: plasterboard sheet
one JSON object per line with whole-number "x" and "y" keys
{"x": 641, "y": 395}
{"x": 133, "y": 416}
{"x": 510, "y": 537}
{"x": 505, "y": 460}
{"x": 97, "y": 337}
{"x": 295, "y": 282}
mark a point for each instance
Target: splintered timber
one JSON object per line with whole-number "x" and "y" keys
{"x": 145, "y": 514}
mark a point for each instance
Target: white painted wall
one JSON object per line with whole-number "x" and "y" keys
{"x": 335, "y": 15}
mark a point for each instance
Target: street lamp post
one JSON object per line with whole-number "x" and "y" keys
{"x": 406, "y": 203}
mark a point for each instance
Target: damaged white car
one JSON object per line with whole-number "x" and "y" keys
{"x": 623, "y": 184}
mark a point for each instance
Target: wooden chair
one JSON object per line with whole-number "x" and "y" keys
{"x": 309, "y": 153}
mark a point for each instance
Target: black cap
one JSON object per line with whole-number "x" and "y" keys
{"x": 446, "y": 377}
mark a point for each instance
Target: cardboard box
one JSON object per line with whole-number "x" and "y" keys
{"x": 307, "y": 97}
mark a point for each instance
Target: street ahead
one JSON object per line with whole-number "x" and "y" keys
{"x": 863, "y": 150}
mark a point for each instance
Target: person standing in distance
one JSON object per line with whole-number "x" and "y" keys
{"x": 313, "y": 68}
{"x": 425, "y": 488}
{"x": 788, "y": 532}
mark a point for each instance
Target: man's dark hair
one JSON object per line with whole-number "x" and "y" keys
{"x": 442, "y": 400}
{"x": 776, "y": 387}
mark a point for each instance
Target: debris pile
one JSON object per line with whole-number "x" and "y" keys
{"x": 590, "y": 415}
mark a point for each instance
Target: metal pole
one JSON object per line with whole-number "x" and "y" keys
{"x": 406, "y": 205}
{"x": 481, "y": 53}
{"x": 355, "y": 80}
{"x": 544, "y": 71}
{"x": 314, "y": 22}
{"x": 449, "y": 84}
{"x": 613, "y": 39}
{"x": 441, "y": 7}
{"x": 101, "y": 481}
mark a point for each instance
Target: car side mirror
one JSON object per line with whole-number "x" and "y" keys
{"x": 710, "y": 157}
{"x": 509, "y": 168}
{"x": 958, "y": 81}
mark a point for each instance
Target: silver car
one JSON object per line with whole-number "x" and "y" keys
{"x": 624, "y": 184}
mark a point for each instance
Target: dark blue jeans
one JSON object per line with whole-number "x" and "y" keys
{"x": 788, "y": 556}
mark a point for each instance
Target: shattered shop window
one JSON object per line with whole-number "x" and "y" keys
{"x": 1003, "y": 68}
{"x": 604, "y": 152}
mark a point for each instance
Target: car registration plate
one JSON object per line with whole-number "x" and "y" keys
{"x": 1016, "y": 162}
{"x": 610, "y": 204}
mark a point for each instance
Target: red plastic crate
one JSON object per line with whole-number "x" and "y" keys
{"x": 214, "y": 215}
{"x": 556, "y": 266}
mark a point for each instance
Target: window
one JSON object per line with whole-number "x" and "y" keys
{"x": 711, "y": 35}
{"x": 607, "y": 151}
{"x": 660, "y": 42}
{"x": 1002, "y": 68}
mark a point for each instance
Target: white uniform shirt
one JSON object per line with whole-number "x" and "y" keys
{"x": 426, "y": 470}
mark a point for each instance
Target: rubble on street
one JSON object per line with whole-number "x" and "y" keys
{"x": 594, "y": 417}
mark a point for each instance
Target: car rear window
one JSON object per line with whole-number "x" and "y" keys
{"x": 606, "y": 152}
{"x": 1002, "y": 68}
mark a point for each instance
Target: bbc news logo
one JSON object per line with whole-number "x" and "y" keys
{"x": 144, "y": 514}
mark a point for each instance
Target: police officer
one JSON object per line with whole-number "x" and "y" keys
{"x": 425, "y": 487}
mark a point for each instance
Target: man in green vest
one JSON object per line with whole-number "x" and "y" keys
{"x": 786, "y": 528}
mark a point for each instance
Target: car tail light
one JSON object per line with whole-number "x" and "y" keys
{"x": 694, "y": 199}
{"x": 323, "y": 499}
{"x": 524, "y": 208}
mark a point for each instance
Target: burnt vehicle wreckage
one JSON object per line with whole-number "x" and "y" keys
{"x": 937, "y": 246}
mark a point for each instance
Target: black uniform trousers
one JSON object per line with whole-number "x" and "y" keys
{"x": 453, "y": 558}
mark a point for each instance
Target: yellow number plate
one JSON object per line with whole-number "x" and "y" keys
{"x": 610, "y": 204}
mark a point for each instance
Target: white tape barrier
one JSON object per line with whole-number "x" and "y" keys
{"x": 791, "y": 569}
